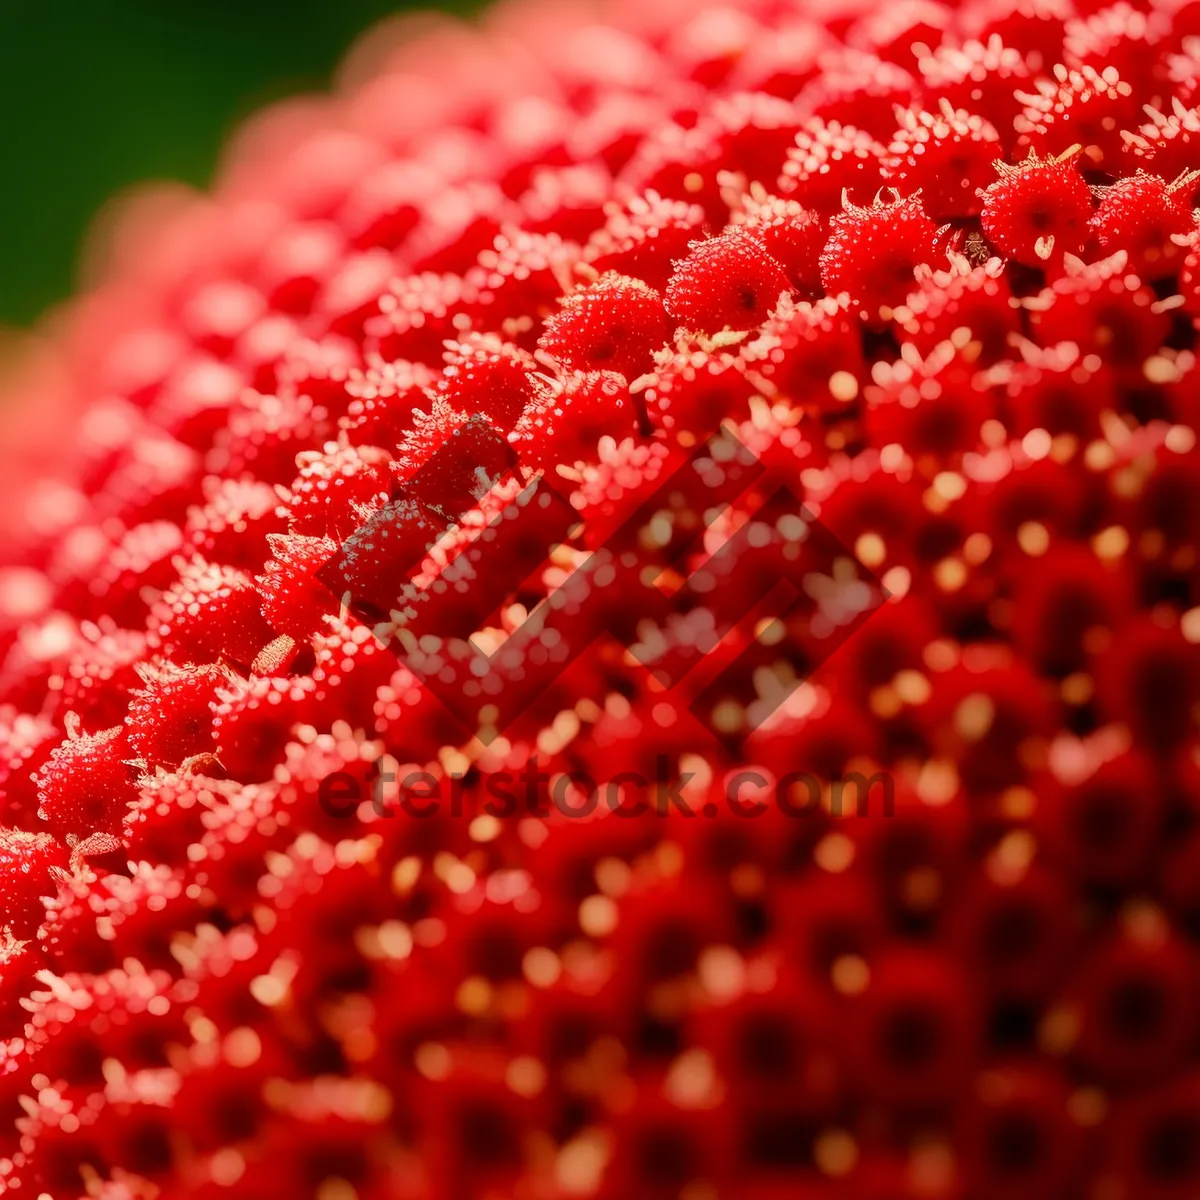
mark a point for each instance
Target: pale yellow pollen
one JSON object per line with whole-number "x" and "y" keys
{"x": 747, "y": 881}
{"x": 931, "y": 1168}
{"x": 843, "y": 386}
{"x": 242, "y": 1047}
{"x": 950, "y": 574}
{"x": 268, "y": 990}
{"x": 938, "y": 782}
{"x": 474, "y": 995}
{"x": 1009, "y": 861}
{"x": 834, "y": 853}
{"x": 1036, "y": 444}
{"x": 1160, "y": 369}
{"x": 912, "y": 687}
{"x": 1099, "y": 456}
{"x": 940, "y": 655}
{"x": 1064, "y": 448}
{"x": 885, "y": 702}
{"x": 1180, "y": 439}
{"x": 1111, "y": 543}
{"x": 432, "y": 1060}
{"x": 769, "y": 631}
{"x": 597, "y": 916}
{"x": 950, "y": 485}
{"x": 1189, "y": 625}
{"x": 459, "y": 878}
{"x": 993, "y": 433}
{"x": 395, "y": 939}
{"x": 692, "y": 1080}
{"x": 525, "y": 1076}
{"x": 897, "y": 580}
{"x": 850, "y": 975}
{"x": 1059, "y": 1030}
{"x": 1034, "y": 538}
{"x": 977, "y": 549}
{"x": 1018, "y": 803}
{"x": 669, "y": 859}
{"x": 836, "y": 1153}
{"x": 870, "y": 549}
{"x": 405, "y": 874}
{"x": 484, "y": 828}
{"x": 728, "y": 716}
{"x": 580, "y": 1164}
{"x": 336, "y": 1189}
{"x": 227, "y": 1166}
{"x": 974, "y": 716}
{"x": 1145, "y": 923}
{"x": 613, "y": 876}
{"x": 722, "y": 972}
{"x": 541, "y": 966}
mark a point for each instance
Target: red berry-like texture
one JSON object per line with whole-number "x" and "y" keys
{"x": 873, "y": 252}
{"x": 451, "y": 435}
{"x": 1039, "y": 209}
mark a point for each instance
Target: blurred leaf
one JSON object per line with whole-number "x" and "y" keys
{"x": 99, "y": 94}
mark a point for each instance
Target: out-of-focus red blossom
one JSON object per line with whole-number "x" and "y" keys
{"x": 941, "y": 263}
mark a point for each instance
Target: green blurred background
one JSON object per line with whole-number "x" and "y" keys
{"x": 98, "y": 94}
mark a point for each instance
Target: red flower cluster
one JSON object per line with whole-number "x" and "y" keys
{"x": 941, "y": 262}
